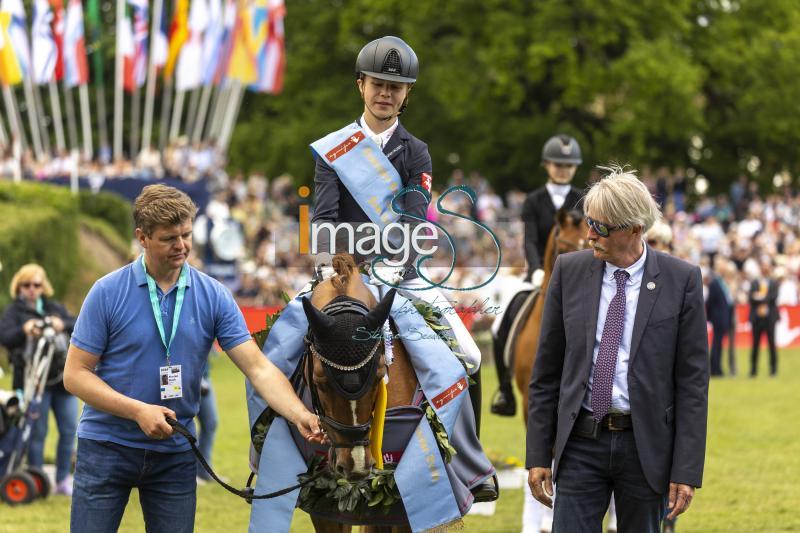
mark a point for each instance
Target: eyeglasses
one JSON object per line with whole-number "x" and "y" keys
{"x": 604, "y": 230}
{"x": 29, "y": 284}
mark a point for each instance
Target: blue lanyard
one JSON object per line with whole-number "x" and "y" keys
{"x": 40, "y": 305}
{"x": 151, "y": 287}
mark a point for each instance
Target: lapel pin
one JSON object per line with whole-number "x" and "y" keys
{"x": 651, "y": 285}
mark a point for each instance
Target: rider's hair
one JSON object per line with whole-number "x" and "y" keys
{"x": 621, "y": 199}
{"x": 30, "y": 272}
{"x": 161, "y": 205}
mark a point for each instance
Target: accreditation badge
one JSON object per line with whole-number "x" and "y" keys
{"x": 171, "y": 382}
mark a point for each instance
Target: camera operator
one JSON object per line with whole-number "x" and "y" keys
{"x": 22, "y": 324}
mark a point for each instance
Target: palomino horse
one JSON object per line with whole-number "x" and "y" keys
{"x": 343, "y": 373}
{"x": 568, "y": 235}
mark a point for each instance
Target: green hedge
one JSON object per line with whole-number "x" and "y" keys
{"x": 112, "y": 208}
{"x": 44, "y": 235}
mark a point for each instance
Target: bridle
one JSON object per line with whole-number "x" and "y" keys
{"x": 356, "y": 434}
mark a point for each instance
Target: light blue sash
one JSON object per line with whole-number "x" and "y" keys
{"x": 421, "y": 476}
{"x": 364, "y": 169}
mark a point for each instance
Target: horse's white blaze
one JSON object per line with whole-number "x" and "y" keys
{"x": 359, "y": 454}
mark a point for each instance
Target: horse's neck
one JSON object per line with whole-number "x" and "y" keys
{"x": 402, "y": 378}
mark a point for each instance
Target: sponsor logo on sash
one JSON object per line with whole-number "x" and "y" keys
{"x": 447, "y": 396}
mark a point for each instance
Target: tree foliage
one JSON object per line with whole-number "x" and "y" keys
{"x": 637, "y": 82}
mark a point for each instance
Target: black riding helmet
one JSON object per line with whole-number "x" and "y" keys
{"x": 562, "y": 149}
{"x": 388, "y": 58}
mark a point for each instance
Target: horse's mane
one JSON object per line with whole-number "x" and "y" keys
{"x": 343, "y": 265}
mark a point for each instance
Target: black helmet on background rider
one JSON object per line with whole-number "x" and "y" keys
{"x": 388, "y": 58}
{"x": 562, "y": 149}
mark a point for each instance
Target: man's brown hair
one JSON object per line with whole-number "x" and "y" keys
{"x": 161, "y": 205}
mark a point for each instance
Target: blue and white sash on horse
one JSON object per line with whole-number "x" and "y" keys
{"x": 364, "y": 169}
{"x": 421, "y": 476}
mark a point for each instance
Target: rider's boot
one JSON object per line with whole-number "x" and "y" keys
{"x": 503, "y": 401}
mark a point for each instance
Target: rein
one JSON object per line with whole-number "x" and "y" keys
{"x": 247, "y": 493}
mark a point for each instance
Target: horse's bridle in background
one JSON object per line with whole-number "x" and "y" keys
{"x": 358, "y": 434}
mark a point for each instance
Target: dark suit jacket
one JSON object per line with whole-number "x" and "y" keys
{"x": 771, "y": 300}
{"x": 718, "y": 309}
{"x": 667, "y": 372}
{"x": 539, "y": 216}
{"x": 335, "y": 204}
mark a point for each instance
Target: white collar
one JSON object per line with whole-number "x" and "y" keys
{"x": 633, "y": 270}
{"x": 381, "y": 139}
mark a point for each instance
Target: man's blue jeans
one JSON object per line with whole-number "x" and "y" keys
{"x": 588, "y": 473}
{"x": 105, "y": 474}
{"x": 65, "y": 407}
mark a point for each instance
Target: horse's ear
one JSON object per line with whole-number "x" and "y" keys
{"x": 378, "y": 315}
{"x": 317, "y": 320}
{"x": 561, "y": 216}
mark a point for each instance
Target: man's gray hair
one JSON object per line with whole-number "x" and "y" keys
{"x": 621, "y": 199}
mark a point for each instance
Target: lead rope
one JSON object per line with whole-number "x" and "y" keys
{"x": 248, "y": 492}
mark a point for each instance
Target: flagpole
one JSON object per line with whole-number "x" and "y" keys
{"x": 150, "y": 91}
{"x": 230, "y": 120}
{"x": 45, "y": 133}
{"x": 118, "y": 84}
{"x": 200, "y": 122}
{"x": 3, "y": 134}
{"x": 86, "y": 121}
{"x": 55, "y": 105}
{"x": 33, "y": 119}
{"x": 166, "y": 104}
{"x": 223, "y": 96}
{"x": 177, "y": 111}
{"x": 191, "y": 116}
{"x": 100, "y": 97}
{"x": 16, "y": 118}
{"x": 136, "y": 105}
{"x": 72, "y": 128}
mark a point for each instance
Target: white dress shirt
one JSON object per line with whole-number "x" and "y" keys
{"x": 620, "y": 401}
{"x": 380, "y": 138}
{"x": 558, "y": 193}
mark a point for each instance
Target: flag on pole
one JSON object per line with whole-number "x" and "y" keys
{"x": 58, "y": 36}
{"x": 189, "y": 74}
{"x": 76, "y": 69}
{"x": 135, "y": 60}
{"x": 250, "y": 33}
{"x": 178, "y": 33}
{"x": 127, "y": 49}
{"x": 271, "y": 58}
{"x": 45, "y": 53}
{"x": 161, "y": 51}
{"x": 10, "y": 72}
{"x": 220, "y": 71}
{"x": 18, "y": 33}
{"x": 212, "y": 40}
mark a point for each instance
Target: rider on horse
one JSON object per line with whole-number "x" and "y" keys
{"x": 386, "y": 70}
{"x": 561, "y": 156}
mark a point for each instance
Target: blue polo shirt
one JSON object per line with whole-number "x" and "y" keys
{"x": 116, "y": 324}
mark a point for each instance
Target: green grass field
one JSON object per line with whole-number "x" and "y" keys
{"x": 751, "y": 477}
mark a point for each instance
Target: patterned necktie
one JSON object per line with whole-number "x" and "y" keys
{"x": 606, "y": 363}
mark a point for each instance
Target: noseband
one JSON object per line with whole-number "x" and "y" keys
{"x": 357, "y": 435}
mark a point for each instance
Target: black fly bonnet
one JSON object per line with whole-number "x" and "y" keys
{"x": 346, "y": 337}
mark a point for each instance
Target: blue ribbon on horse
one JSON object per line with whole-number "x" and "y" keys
{"x": 421, "y": 476}
{"x": 358, "y": 161}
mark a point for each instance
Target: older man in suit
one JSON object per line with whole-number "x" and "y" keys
{"x": 764, "y": 316}
{"x": 619, "y": 391}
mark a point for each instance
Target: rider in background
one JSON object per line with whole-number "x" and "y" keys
{"x": 20, "y": 326}
{"x": 561, "y": 156}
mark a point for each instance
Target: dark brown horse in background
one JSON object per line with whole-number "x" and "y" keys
{"x": 568, "y": 235}
{"x": 340, "y": 415}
